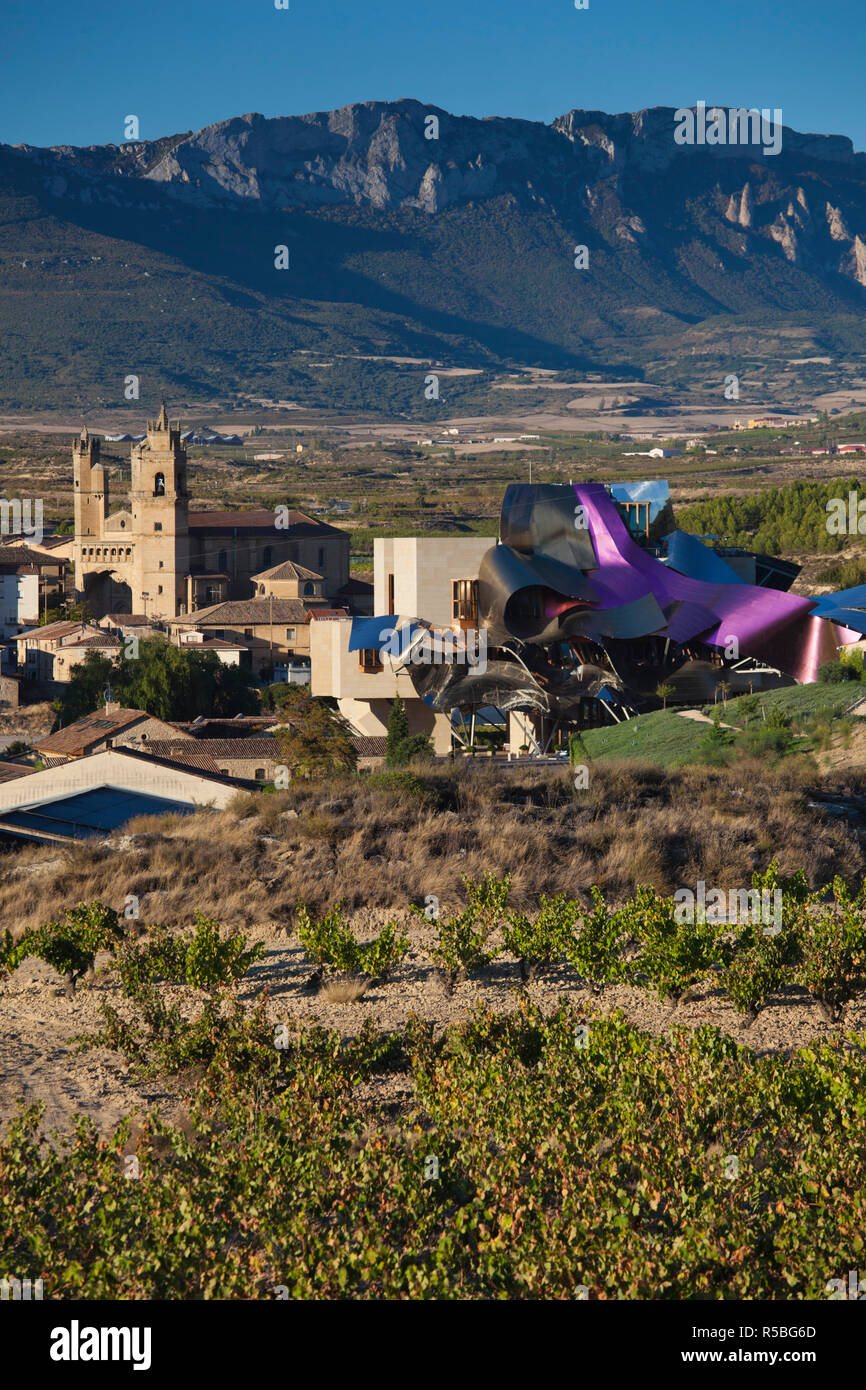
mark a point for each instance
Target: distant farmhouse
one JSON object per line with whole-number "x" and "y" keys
{"x": 158, "y": 559}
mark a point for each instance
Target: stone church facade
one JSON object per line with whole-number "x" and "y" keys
{"x": 157, "y": 558}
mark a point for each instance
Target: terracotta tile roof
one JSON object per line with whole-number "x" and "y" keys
{"x": 369, "y": 746}
{"x": 288, "y": 570}
{"x": 214, "y": 747}
{"x": 19, "y": 555}
{"x": 93, "y": 728}
{"x": 10, "y": 771}
{"x": 299, "y": 524}
{"x": 168, "y": 751}
{"x": 332, "y": 613}
{"x": 251, "y": 612}
{"x": 108, "y": 640}
{"x": 52, "y": 630}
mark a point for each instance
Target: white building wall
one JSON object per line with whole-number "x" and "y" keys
{"x": 19, "y": 602}
{"x": 424, "y": 569}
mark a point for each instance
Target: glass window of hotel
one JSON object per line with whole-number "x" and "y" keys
{"x": 369, "y": 659}
{"x": 464, "y": 594}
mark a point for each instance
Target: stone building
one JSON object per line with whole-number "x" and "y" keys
{"x": 157, "y": 558}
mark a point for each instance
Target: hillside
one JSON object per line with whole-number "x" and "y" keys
{"x": 158, "y": 259}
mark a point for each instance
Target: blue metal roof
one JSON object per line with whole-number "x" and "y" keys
{"x": 80, "y": 817}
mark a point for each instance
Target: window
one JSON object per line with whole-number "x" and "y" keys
{"x": 321, "y": 556}
{"x": 369, "y": 659}
{"x": 290, "y": 634}
{"x": 309, "y": 589}
{"x": 159, "y": 589}
{"x": 248, "y": 632}
{"x": 464, "y": 597}
{"x": 267, "y": 556}
{"x": 157, "y": 526}
{"x": 159, "y": 485}
{"x": 260, "y": 774}
{"x": 223, "y": 561}
{"x": 162, "y": 564}
{"x": 390, "y": 593}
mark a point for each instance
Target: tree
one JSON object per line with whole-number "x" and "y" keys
{"x": 664, "y": 691}
{"x": 314, "y": 741}
{"x": 398, "y": 730}
{"x": 168, "y": 682}
{"x": 70, "y": 613}
{"x": 85, "y": 691}
{"x": 576, "y": 750}
{"x": 416, "y": 746}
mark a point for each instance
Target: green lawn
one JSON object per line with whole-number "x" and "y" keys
{"x": 668, "y": 740}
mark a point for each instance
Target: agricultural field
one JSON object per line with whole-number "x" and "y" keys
{"x": 444, "y": 1033}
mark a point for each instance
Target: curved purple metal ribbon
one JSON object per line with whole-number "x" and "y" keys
{"x": 768, "y": 624}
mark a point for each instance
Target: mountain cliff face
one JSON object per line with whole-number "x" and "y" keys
{"x": 422, "y": 231}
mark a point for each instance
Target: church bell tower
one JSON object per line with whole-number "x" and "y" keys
{"x": 160, "y": 520}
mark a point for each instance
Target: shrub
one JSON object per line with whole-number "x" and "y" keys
{"x": 11, "y": 953}
{"x": 205, "y": 960}
{"x": 832, "y": 945}
{"x": 461, "y": 948}
{"x": 715, "y": 743}
{"x": 488, "y": 899}
{"x": 71, "y": 945}
{"x": 753, "y": 970}
{"x": 393, "y": 780}
{"x": 549, "y": 937}
{"x": 596, "y": 953}
{"x": 331, "y": 942}
{"x": 772, "y": 738}
{"x": 674, "y": 954}
{"x": 416, "y": 747}
{"x": 385, "y": 952}
{"x": 836, "y": 672}
{"x": 756, "y": 960}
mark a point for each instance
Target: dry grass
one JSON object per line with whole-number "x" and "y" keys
{"x": 250, "y": 866}
{"x": 346, "y": 989}
{"x": 27, "y": 722}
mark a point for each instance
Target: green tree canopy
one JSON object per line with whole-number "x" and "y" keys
{"x": 398, "y": 730}
{"x": 168, "y": 682}
{"x": 314, "y": 741}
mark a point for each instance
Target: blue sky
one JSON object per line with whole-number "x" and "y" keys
{"x": 73, "y": 71}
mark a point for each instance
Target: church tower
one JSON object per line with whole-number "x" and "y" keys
{"x": 91, "y": 498}
{"x": 160, "y": 521}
